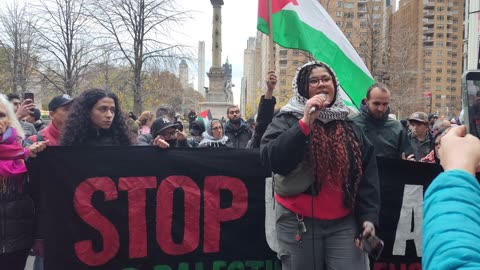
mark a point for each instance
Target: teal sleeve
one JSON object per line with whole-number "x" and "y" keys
{"x": 451, "y": 222}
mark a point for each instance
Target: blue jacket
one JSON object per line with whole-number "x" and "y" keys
{"x": 451, "y": 222}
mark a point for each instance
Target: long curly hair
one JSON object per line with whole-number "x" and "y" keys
{"x": 304, "y": 76}
{"x": 336, "y": 158}
{"x": 79, "y": 127}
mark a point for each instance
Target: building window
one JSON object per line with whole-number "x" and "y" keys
{"x": 439, "y": 53}
{"x": 428, "y": 70}
{"x": 439, "y": 62}
{"x": 348, "y": 35}
{"x": 439, "y": 70}
{"x": 376, "y": 25}
{"x": 377, "y": 16}
{"x": 440, "y": 26}
{"x": 295, "y": 52}
{"x": 283, "y": 52}
{"x": 350, "y": 24}
{"x": 427, "y": 62}
{"x": 438, "y": 79}
{"x": 438, "y": 96}
{"x": 427, "y": 79}
{"x": 440, "y": 17}
{"x": 440, "y": 8}
{"x": 427, "y": 53}
{"x": 455, "y": 3}
{"x": 283, "y": 63}
{"x": 348, "y": 5}
{"x": 363, "y": 25}
{"x": 339, "y": 23}
{"x": 349, "y": 15}
{"x": 295, "y": 62}
{"x": 283, "y": 71}
{"x": 438, "y": 88}
{"x": 339, "y": 14}
{"x": 376, "y": 7}
{"x": 339, "y": 4}
{"x": 440, "y": 35}
{"x": 283, "y": 82}
{"x": 439, "y": 44}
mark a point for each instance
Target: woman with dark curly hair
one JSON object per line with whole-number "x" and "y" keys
{"x": 326, "y": 181}
{"x": 95, "y": 119}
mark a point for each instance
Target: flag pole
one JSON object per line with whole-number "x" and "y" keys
{"x": 271, "y": 56}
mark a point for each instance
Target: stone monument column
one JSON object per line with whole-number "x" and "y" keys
{"x": 216, "y": 97}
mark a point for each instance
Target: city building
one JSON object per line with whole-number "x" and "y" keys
{"x": 201, "y": 67}
{"x": 183, "y": 73}
{"x": 432, "y": 40}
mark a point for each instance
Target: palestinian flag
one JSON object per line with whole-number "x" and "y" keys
{"x": 306, "y": 25}
{"x": 205, "y": 116}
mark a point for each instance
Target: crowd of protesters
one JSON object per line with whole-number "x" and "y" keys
{"x": 322, "y": 154}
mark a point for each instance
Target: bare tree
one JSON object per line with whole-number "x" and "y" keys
{"x": 66, "y": 42}
{"x": 18, "y": 40}
{"x": 403, "y": 71}
{"x": 140, "y": 29}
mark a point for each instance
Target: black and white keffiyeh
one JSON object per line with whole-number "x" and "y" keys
{"x": 296, "y": 104}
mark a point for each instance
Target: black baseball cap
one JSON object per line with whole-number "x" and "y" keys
{"x": 161, "y": 124}
{"x": 59, "y": 101}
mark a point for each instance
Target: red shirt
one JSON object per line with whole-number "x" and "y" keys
{"x": 328, "y": 204}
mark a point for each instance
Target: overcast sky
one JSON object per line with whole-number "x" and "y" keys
{"x": 239, "y": 20}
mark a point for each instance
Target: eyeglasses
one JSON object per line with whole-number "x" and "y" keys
{"x": 316, "y": 81}
{"x": 170, "y": 134}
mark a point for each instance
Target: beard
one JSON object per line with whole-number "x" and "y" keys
{"x": 235, "y": 121}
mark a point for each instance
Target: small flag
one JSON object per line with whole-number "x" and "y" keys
{"x": 205, "y": 116}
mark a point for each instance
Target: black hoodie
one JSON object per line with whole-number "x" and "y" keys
{"x": 387, "y": 135}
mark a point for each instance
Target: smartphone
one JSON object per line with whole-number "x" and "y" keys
{"x": 28, "y": 96}
{"x": 471, "y": 101}
{"x": 372, "y": 245}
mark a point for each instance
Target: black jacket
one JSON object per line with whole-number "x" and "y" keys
{"x": 388, "y": 136}
{"x": 284, "y": 145}
{"x": 147, "y": 139}
{"x": 238, "y": 138}
{"x": 17, "y": 214}
{"x": 266, "y": 108}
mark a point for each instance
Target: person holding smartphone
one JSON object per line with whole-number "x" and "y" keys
{"x": 22, "y": 110}
{"x": 451, "y": 210}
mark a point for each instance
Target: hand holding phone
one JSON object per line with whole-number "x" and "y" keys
{"x": 28, "y": 96}
{"x": 372, "y": 245}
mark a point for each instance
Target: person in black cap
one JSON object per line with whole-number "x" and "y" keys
{"x": 432, "y": 118}
{"x": 197, "y": 128}
{"x": 59, "y": 108}
{"x": 165, "y": 134}
{"x": 34, "y": 118}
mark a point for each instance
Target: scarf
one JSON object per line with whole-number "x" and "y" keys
{"x": 296, "y": 104}
{"x": 210, "y": 141}
{"x": 11, "y": 154}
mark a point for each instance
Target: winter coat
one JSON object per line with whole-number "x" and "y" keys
{"x": 283, "y": 149}
{"x": 388, "y": 137}
{"x": 266, "y": 108}
{"x": 238, "y": 138}
{"x": 16, "y": 205}
{"x": 451, "y": 222}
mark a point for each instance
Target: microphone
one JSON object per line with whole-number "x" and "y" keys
{"x": 314, "y": 108}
